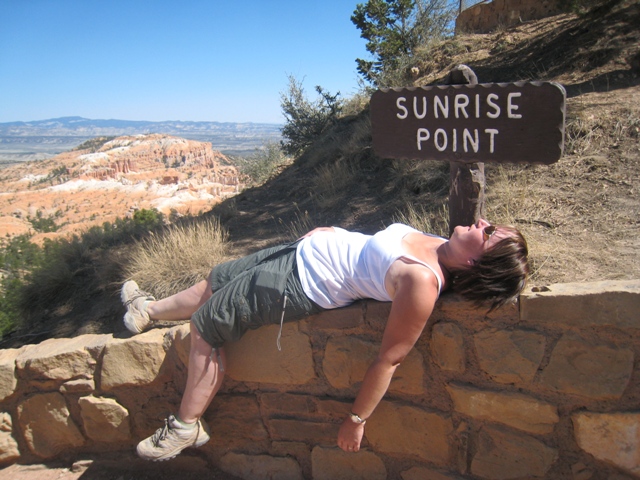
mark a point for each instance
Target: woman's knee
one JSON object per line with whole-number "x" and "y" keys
{"x": 198, "y": 343}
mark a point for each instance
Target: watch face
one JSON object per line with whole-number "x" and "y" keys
{"x": 356, "y": 418}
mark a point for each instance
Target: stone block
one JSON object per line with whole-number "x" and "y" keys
{"x": 333, "y": 464}
{"x": 461, "y": 447}
{"x": 305, "y": 407}
{"x": 510, "y": 356}
{"x": 613, "y": 438}
{"x": 80, "y": 385}
{"x": 447, "y": 347}
{"x": 394, "y": 429}
{"x": 104, "y": 419}
{"x": 580, "y": 471}
{"x": 8, "y": 380}
{"x": 297, "y": 450}
{"x": 611, "y": 303}
{"x": 9, "y": 451}
{"x": 133, "y": 361}
{"x": 61, "y": 358}
{"x": 423, "y": 473}
{"x": 179, "y": 339}
{"x": 256, "y": 358}
{"x": 235, "y": 421}
{"x": 288, "y": 404}
{"x": 515, "y": 410}
{"x": 147, "y": 417}
{"x": 503, "y": 455}
{"x": 334, "y": 409}
{"x": 48, "y": 428}
{"x": 589, "y": 369}
{"x": 259, "y": 467}
{"x": 315, "y": 433}
{"x": 347, "y": 359}
{"x": 340, "y": 318}
{"x": 377, "y": 314}
{"x": 451, "y": 305}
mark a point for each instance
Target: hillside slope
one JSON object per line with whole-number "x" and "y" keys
{"x": 581, "y": 215}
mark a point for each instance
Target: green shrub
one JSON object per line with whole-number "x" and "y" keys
{"x": 9, "y": 305}
{"x": 305, "y": 120}
{"x": 146, "y": 218}
{"x": 264, "y": 163}
{"x": 17, "y": 258}
{"x": 36, "y": 280}
{"x": 20, "y": 254}
{"x": 43, "y": 224}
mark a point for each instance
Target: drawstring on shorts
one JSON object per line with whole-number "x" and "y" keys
{"x": 216, "y": 352}
{"x": 284, "y": 305}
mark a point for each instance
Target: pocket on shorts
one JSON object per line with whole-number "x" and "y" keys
{"x": 267, "y": 295}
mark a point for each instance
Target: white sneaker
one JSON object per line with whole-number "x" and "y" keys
{"x": 170, "y": 440}
{"x": 136, "y": 319}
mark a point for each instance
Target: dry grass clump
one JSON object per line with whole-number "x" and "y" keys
{"x": 435, "y": 221}
{"x": 421, "y": 177}
{"x": 179, "y": 257}
{"x": 302, "y": 224}
{"x": 359, "y": 138}
{"x": 424, "y": 187}
{"x": 355, "y": 104}
{"x": 517, "y": 196}
{"x": 332, "y": 180}
{"x": 591, "y": 127}
{"x": 579, "y": 215}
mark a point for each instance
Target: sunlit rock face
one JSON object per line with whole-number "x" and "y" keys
{"x": 82, "y": 188}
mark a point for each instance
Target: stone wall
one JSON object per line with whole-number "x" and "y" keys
{"x": 547, "y": 390}
{"x": 484, "y": 17}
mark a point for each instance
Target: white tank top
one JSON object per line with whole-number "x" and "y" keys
{"x": 337, "y": 268}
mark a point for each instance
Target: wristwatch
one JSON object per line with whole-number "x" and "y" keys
{"x": 356, "y": 419}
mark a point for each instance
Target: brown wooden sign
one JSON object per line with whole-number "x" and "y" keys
{"x": 519, "y": 122}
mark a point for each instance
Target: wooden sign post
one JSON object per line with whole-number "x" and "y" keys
{"x": 520, "y": 122}
{"x": 467, "y": 180}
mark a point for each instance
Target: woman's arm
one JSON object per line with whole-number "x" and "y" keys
{"x": 415, "y": 297}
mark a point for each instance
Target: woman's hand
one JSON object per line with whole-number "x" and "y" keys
{"x": 350, "y": 435}
{"x": 316, "y": 230}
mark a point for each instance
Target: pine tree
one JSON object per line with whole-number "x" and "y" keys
{"x": 394, "y": 28}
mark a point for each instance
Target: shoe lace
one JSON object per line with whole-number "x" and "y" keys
{"x": 161, "y": 433}
{"x": 138, "y": 294}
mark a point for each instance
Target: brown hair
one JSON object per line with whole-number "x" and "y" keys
{"x": 499, "y": 275}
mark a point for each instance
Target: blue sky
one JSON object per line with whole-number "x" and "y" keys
{"x": 215, "y": 60}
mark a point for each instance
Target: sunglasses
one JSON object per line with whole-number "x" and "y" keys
{"x": 488, "y": 231}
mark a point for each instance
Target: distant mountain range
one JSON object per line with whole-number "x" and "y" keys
{"x": 75, "y": 126}
{"x": 20, "y": 141}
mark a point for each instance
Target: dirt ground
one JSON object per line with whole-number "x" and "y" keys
{"x": 120, "y": 466}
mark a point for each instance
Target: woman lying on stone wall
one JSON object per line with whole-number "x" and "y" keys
{"x": 327, "y": 268}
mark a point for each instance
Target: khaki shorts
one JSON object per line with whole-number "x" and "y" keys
{"x": 251, "y": 292}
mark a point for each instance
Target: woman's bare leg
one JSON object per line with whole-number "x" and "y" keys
{"x": 203, "y": 382}
{"x": 181, "y": 305}
{"x": 204, "y": 378}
